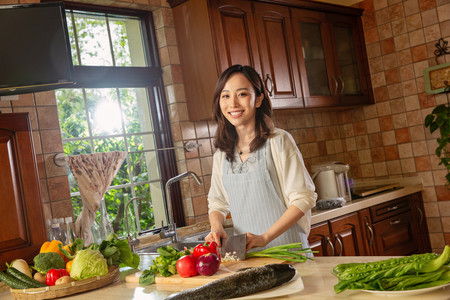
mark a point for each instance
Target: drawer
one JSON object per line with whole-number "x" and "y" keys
{"x": 396, "y": 236}
{"x": 386, "y": 210}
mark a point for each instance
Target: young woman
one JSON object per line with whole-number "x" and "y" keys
{"x": 258, "y": 172}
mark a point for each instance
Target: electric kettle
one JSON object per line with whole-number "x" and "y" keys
{"x": 331, "y": 180}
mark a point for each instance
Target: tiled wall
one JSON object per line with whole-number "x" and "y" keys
{"x": 384, "y": 140}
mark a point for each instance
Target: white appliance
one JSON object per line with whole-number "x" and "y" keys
{"x": 331, "y": 180}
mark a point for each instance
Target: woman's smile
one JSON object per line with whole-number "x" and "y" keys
{"x": 236, "y": 114}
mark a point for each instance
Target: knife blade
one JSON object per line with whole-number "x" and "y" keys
{"x": 234, "y": 245}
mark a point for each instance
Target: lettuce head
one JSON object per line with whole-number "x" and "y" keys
{"x": 88, "y": 263}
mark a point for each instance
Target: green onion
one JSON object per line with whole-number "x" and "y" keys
{"x": 289, "y": 252}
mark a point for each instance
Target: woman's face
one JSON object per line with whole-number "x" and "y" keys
{"x": 238, "y": 101}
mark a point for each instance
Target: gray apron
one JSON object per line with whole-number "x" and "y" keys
{"x": 254, "y": 204}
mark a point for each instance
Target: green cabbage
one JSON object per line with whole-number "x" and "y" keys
{"x": 88, "y": 263}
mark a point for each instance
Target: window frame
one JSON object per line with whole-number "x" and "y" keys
{"x": 144, "y": 77}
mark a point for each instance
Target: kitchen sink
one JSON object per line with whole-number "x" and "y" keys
{"x": 151, "y": 249}
{"x": 188, "y": 242}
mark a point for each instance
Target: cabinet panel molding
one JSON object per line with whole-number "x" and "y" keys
{"x": 21, "y": 211}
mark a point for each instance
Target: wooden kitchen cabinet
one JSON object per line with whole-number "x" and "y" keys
{"x": 338, "y": 237}
{"x": 310, "y": 54}
{"x": 320, "y": 240}
{"x": 332, "y": 59}
{"x": 393, "y": 228}
{"x": 398, "y": 227}
{"x": 211, "y": 36}
{"x": 346, "y": 232}
{"x": 367, "y": 233}
{"x": 21, "y": 222}
{"x": 278, "y": 59}
{"x": 420, "y": 224}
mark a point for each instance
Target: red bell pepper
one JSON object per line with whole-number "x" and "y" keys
{"x": 55, "y": 274}
{"x": 206, "y": 248}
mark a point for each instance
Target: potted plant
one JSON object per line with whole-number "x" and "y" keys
{"x": 440, "y": 119}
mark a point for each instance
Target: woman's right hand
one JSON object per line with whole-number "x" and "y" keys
{"x": 215, "y": 236}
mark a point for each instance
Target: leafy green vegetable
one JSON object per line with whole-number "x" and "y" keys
{"x": 147, "y": 277}
{"x": 416, "y": 271}
{"x": 164, "y": 264}
{"x": 351, "y": 270}
{"x": 88, "y": 263}
{"x": 46, "y": 261}
{"x": 290, "y": 252}
{"x": 435, "y": 264}
{"x": 403, "y": 282}
{"x": 77, "y": 245}
{"x": 117, "y": 252}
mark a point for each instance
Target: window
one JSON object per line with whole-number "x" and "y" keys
{"x": 118, "y": 105}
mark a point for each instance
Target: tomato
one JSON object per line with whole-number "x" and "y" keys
{"x": 202, "y": 249}
{"x": 55, "y": 274}
{"x": 186, "y": 266}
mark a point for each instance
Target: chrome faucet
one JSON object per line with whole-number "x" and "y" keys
{"x": 133, "y": 242}
{"x": 172, "y": 228}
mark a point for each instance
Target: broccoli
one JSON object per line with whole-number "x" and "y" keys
{"x": 46, "y": 261}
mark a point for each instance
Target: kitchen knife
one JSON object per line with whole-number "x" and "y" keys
{"x": 234, "y": 245}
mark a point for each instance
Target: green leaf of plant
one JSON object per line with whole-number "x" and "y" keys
{"x": 428, "y": 120}
{"x": 147, "y": 277}
{"x": 439, "y": 109}
{"x": 433, "y": 127}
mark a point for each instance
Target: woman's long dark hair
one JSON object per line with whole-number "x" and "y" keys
{"x": 226, "y": 135}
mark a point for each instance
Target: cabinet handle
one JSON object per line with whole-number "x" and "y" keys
{"x": 335, "y": 84}
{"x": 331, "y": 245}
{"x": 339, "y": 242}
{"x": 271, "y": 84}
{"x": 394, "y": 222}
{"x": 342, "y": 84}
{"x": 371, "y": 233}
{"x": 421, "y": 214}
{"x": 392, "y": 208}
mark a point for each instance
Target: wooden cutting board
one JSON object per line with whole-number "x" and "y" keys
{"x": 226, "y": 269}
{"x": 374, "y": 190}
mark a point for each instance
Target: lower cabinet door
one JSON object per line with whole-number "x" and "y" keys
{"x": 395, "y": 236}
{"x": 319, "y": 240}
{"x": 346, "y": 233}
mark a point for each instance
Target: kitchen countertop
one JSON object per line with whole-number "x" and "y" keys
{"x": 316, "y": 276}
{"x": 409, "y": 186}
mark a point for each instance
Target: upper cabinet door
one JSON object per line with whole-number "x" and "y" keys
{"x": 315, "y": 56}
{"x": 332, "y": 59}
{"x": 21, "y": 217}
{"x": 234, "y": 34}
{"x": 278, "y": 60}
{"x": 350, "y": 59}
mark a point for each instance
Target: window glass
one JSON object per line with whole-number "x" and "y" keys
{"x": 114, "y": 118}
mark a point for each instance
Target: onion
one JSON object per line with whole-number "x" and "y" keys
{"x": 208, "y": 264}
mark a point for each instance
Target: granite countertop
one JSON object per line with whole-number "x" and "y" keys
{"x": 315, "y": 275}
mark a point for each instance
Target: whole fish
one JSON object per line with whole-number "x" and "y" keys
{"x": 241, "y": 284}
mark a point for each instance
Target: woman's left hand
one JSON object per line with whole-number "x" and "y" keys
{"x": 254, "y": 240}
